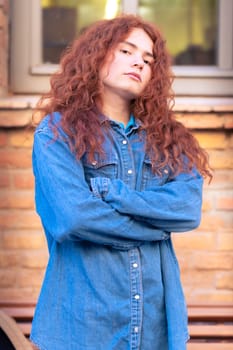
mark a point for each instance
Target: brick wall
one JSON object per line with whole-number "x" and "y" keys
{"x": 205, "y": 254}
{"x": 23, "y": 254}
{"x": 4, "y": 7}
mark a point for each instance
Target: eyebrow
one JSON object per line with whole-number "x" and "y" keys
{"x": 147, "y": 53}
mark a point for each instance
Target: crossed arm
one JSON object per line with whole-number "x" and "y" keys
{"x": 108, "y": 213}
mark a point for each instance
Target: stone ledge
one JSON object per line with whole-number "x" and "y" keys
{"x": 182, "y": 104}
{"x": 207, "y": 121}
{"x": 19, "y": 102}
{"x": 16, "y": 118}
{"x": 195, "y": 113}
{"x": 204, "y": 104}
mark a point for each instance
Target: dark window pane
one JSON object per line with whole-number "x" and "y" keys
{"x": 63, "y": 20}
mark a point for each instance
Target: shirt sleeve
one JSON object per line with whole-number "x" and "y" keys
{"x": 68, "y": 208}
{"x": 174, "y": 206}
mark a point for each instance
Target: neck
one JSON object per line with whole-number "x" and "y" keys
{"x": 116, "y": 108}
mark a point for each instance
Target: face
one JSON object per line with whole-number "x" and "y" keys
{"x": 127, "y": 71}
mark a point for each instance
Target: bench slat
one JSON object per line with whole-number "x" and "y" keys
{"x": 209, "y": 346}
{"x": 19, "y": 312}
{"x": 210, "y": 313}
{"x": 210, "y": 327}
{"x": 211, "y": 331}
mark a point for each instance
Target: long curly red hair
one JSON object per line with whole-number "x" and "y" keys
{"x": 75, "y": 88}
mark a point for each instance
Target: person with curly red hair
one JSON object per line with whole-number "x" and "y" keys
{"x": 115, "y": 175}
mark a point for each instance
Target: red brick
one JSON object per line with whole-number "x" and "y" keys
{"x": 208, "y": 199}
{"x": 15, "y": 159}
{"x": 5, "y": 5}
{"x": 202, "y": 295}
{"x": 212, "y": 140}
{"x": 225, "y": 203}
{"x": 221, "y": 159}
{"x": 15, "y": 199}
{"x": 36, "y": 259}
{"x": 205, "y": 279}
{"x": 222, "y": 179}
{"x": 186, "y": 259}
{"x": 225, "y": 280}
{"x": 29, "y": 277}
{"x": 18, "y": 293}
{"x": 4, "y": 179}
{"x": 3, "y": 20}
{"x": 213, "y": 261}
{"x": 23, "y": 179}
{"x": 19, "y": 219}
{"x": 23, "y": 239}
{"x": 3, "y": 139}
{"x": 213, "y": 221}
{"x": 207, "y": 205}
{"x": 194, "y": 241}
{"x": 7, "y": 277}
{"x": 20, "y": 138}
{"x": 21, "y": 277}
{"x": 9, "y": 259}
{"x": 225, "y": 240}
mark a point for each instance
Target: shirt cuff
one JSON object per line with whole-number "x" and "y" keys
{"x": 100, "y": 186}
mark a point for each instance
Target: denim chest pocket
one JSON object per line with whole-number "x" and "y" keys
{"x": 150, "y": 179}
{"x": 102, "y": 166}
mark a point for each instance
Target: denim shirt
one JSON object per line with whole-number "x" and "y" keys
{"x": 112, "y": 280}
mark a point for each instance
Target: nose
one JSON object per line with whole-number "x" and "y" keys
{"x": 138, "y": 62}
{"x": 139, "y": 65}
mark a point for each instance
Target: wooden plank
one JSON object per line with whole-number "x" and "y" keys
{"x": 210, "y": 313}
{"x": 18, "y": 302}
{"x": 19, "y": 312}
{"x": 211, "y": 331}
{"x": 25, "y": 328}
{"x": 209, "y": 346}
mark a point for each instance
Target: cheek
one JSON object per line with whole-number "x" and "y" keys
{"x": 147, "y": 77}
{"x": 108, "y": 71}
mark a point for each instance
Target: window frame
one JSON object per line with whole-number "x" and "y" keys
{"x": 28, "y": 75}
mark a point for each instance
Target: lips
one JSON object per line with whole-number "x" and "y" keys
{"x": 134, "y": 76}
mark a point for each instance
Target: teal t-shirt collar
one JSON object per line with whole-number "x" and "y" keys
{"x": 130, "y": 123}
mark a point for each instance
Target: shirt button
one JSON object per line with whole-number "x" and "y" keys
{"x": 165, "y": 171}
{"x": 94, "y": 162}
{"x": 137, "y": 297}
{"x": 135, "y": 265}
{"x": 124, "y": 142}
{"x": 136, "y": 329}
{"x": 130, "y": 171}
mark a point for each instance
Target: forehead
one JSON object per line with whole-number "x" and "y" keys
{"x": 140, "y": 39}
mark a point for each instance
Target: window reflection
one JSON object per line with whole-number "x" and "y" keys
{"x": 189, "y": 26}
{"x": 63, "y": 20}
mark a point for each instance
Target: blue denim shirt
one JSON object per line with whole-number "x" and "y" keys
{"x": 112, "y": 280}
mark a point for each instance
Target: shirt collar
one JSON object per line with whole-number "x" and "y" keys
{"x": 132, "y": 123}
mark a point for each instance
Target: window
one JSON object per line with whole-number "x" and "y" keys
{"x": 199, "y": 36}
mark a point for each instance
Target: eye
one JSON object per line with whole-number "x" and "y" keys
{"x": 149, "y": 62}
{"x": 125, "y": 51}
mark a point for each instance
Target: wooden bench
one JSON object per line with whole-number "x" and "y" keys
{"x": 210, "y": 326}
